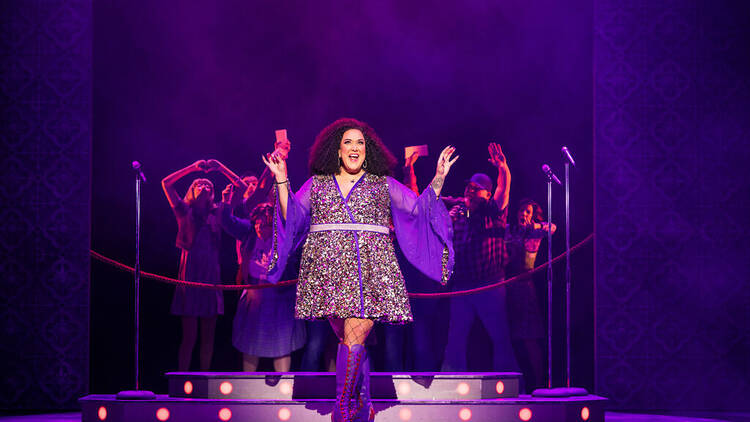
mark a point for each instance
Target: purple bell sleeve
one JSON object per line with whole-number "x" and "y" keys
{"x": 288, "y": 235}
{"x": 424, "y": 230}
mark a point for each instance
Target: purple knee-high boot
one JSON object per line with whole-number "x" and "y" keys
{"x": 348, "y": 367}
{"x": 362, "y": 409}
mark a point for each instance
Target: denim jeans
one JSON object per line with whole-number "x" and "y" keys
{"x": 489, "y": 307}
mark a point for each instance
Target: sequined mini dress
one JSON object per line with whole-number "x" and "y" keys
{"x": 348, "y": 266}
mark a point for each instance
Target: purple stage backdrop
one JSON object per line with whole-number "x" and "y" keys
{"x": 672, "y": 203}
{"x": 45, "y": 133}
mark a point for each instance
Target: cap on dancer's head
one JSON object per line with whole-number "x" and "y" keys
{"x": 482, "y": 180}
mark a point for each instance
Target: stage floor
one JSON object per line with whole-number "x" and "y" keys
{"x": 609, "y": 417}
{"x": 310, "y": 396}
{"x": 397, "y": 397}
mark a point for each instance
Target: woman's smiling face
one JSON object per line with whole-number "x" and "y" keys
{"x": 352, "y": 151}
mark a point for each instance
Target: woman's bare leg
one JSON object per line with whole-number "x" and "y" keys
{"x": 249, "y": 363}
{"x": 282, "y": 364}
{"x": 189, "y": 335}
{"x": 331, "y": 360}
{"x": 208, "y": 329}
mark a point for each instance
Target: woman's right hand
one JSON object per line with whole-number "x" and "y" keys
{"x": 227, "y": 194}
{"x": 411, "y": 159}
{"x": 277, "y": 165}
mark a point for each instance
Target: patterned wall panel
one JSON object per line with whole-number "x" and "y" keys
{"x": 45, "y": 131}
{"x": 671, "y": 140}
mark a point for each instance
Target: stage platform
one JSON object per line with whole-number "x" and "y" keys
{"x": 309, "y": 396}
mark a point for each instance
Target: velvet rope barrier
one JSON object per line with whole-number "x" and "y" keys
{"x": 170, "y": 280}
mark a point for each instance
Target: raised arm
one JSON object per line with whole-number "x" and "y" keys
{"x": 262, "y": 191}
{"x": 235, "y": 227}
{"x": 168, "y": 182}
{"x": 502, "y": 191}
{"x": 443, "y": 168}
{"x": 410, "y": 178}
{"x": 277, "y": 165}
{"x": 266, "y": 179}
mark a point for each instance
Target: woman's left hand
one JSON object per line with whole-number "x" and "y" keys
{"x": 445, "y": 162}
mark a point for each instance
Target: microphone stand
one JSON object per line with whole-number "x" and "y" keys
{"x": 572, "y": 391}
{"x": 137, "y": 394}
{"x": 549, "y": 284}
{"x": 549, "y": 391}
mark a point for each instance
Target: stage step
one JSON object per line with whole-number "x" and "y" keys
{"x": 322, "y": 385}
{"x": 163, "y": 408}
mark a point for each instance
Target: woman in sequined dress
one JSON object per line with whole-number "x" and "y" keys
{"x": 348, "y": 272}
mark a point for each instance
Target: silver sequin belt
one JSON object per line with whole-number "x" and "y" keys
{"x": 349, "y": 227}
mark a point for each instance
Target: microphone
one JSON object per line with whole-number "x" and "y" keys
{"x": 566, "y": 154}
{"x": 139, "y": 170}
{"x": 550, "y": 175}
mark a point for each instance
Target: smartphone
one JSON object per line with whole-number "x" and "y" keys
{"x": 281, "y": 136}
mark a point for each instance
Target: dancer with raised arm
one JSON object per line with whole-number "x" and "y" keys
{"x": 479, "y": 221}
{"x": 265, "y": 182}
{"x": 349, "y": 273}
{"x": 198, "y": 236}
{"x": 240, "y": 209}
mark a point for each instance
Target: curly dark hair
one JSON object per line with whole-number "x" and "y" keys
{"x": 262, "y": 211}
{"x": 324, "y": 157}
{"x": 538, "y": 215}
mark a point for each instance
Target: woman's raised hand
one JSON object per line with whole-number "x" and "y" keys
{"x": 276, "y": 164}
{"x": 445, "y": 161}
{"x": 227, "y": 194}
{"x": 443, "y": 167}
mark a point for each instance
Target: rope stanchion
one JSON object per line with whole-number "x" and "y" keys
{"x": 170, "y": 280}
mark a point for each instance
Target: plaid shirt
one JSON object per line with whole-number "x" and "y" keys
{"x": 479, "y": 244}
